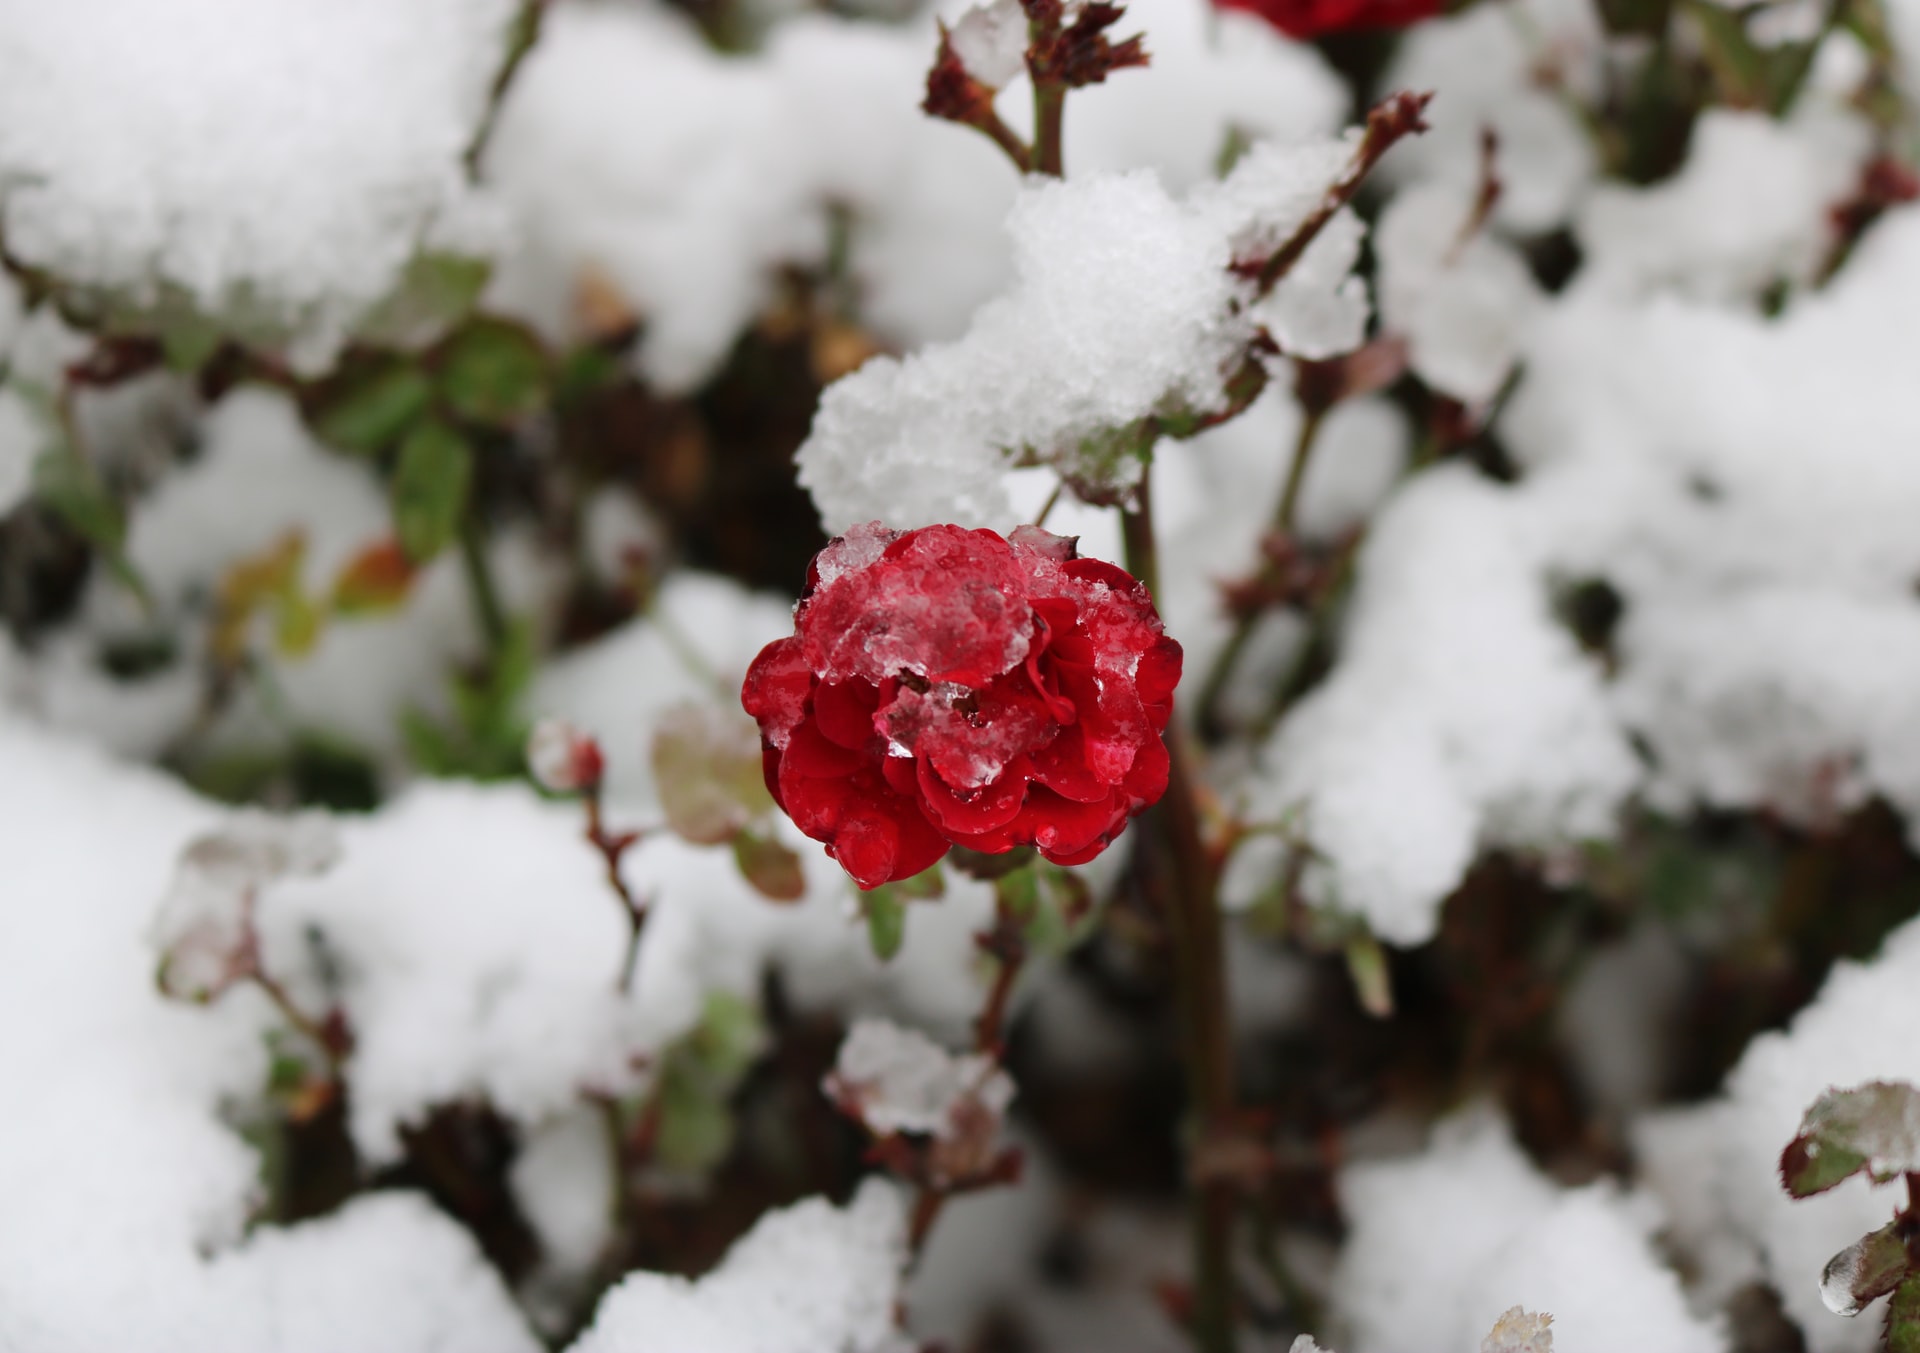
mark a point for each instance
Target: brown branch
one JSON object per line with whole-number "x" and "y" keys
{"x": 1388, "y": 122}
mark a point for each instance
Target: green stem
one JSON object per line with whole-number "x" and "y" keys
{"x": 521, "y": 37}
{"x": 1193, "y": 923}
{"x": 1304, "y": 442}
{"x": 487, "y": 608}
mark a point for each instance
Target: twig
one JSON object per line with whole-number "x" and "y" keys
{"x": 1393, "y": 118}
{"x": 613, "y": 845}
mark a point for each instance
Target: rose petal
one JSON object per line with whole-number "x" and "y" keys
{"x": 1062, "y": 767}
{"x": 844, "y": 711}
{"x": 1147, "y": 778}
{"x": 993, "y": 805}
{"x": 776, "y": 687}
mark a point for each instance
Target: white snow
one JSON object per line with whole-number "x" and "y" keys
{"x": 127, "y": 1190}
{"x": 1460, "y": 715}
{"x": 1515, "y": 67}
{"x": 1749, "y": 209}
{"x": 275, "y": 163}
{"x": 205, "y": 919}
{"x": 1407, "y": 1284}
{"x": 748, "y": 158}
{"x": 991, "y": 42}
{"x": 1461, "y": 297}
{"x": 811, "y": 1278}
{"x": 903, "y": 1081}
{"x": 1123, "y": 306}
{"x": 1718, "y": 1165}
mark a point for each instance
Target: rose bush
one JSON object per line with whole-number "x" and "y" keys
{"x": 950, "y": 687}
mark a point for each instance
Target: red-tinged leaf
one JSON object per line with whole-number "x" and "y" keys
{"x": 708, "y": 765}
{"x": 1868, "y": 1269}
{"x": 770, "y": 867}
{"x": 375, "y": 580}
{"x": 1873, "y": 1128}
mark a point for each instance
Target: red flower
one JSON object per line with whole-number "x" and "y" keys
{"x": 949, "y": 687}
{"x": 1310, "y": 19}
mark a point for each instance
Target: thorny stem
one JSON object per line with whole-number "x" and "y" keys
{"x": 927, "y": 1208}
{"x": 1005, "y": 944}
{"x": 297, "y": 1017}
{"x": 1008, "y": 949}
{"x": 1193, "y": 922}
{"x": 612, "y": 845}
{"x": 328, "y": 1035}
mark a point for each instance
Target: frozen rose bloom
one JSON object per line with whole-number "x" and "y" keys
{"x": 951, "y": 687}
{"x": 1309, "y": 19}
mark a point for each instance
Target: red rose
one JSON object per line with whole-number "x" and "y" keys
{"x": 949, "y": 687}
{"x": 1309, "y": 19}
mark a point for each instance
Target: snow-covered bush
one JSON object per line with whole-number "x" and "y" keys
{"x": 708, "y": 675}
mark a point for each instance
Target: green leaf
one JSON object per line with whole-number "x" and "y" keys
{"x": 1048, "y": 902}
{"x": 373, "y": 408}
{"x": 697, "y": 1083}
{"x": 695, "y": 1130}
{"x": 487, "y": 736}
{"x": 924, "y": 886}
{"x": 436, "y": 290}
{"x": 729, "y": 1038}
{"x": 188, "y": 340}
{"x": 587, "y": 371}
{"x": 1903, "y": 1318}
{"x": 431, "y": 481}
{"x": 1020, "y": 893}
{"x": 886, "y": 913}
{"x": 494, "y": 371}
{"x": 70, "y": 487}
{"x": 707, "y": 763}
{"x": 770, "y": 867}
{"x": 1873, "y": 1128}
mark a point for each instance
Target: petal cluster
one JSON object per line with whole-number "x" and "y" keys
{"x": 1306, "y": 20}
{"x": 951, "y": 687}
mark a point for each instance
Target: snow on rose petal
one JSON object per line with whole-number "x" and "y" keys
{"x": 951, "y": 687}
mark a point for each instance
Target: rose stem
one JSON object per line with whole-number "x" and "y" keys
{"x": 1193, "y": 922}
{"x": 1005, "y": 944}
